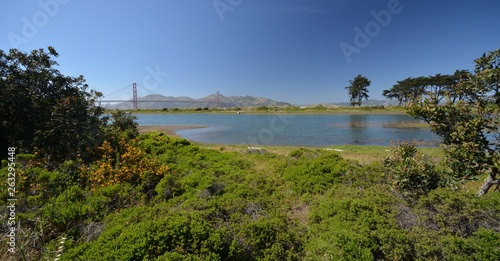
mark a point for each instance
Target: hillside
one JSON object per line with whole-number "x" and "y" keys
{"x": 156, "y": 101}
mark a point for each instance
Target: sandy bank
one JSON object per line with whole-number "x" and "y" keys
{"x": 168, "y": 129}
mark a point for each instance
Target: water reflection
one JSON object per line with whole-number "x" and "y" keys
{"x": 358, "y": 128}
{"x": 299, "y": 130}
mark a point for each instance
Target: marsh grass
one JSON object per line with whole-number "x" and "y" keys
{"x": 406, "y": 125}
{"x": 168, "y": 129}
{"x": 361, "y": 153}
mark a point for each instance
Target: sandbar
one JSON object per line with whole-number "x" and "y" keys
{"x": 168, "y": 129}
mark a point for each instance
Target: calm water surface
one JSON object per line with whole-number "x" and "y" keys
{"x": 297, "y": 130}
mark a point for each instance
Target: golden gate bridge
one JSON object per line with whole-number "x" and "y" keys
{"x": 135, "y": 101}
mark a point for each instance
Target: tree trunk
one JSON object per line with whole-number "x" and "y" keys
{"x": 488, "y": 182}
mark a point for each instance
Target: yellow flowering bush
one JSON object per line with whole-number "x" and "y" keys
{"x": 128, "y": 163}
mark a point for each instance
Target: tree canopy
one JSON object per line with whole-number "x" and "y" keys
{"x": 43, "y": 110}
{"x": 438, "y": 86}
{"x": 463, "y": 109}
{"x": 358, "y": 90}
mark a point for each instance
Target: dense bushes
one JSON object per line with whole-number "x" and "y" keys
{"x": 412, "y": 173}
{"x": 209, "y": 205}
{"x": 44, "y": 109}
{"x": 129, "y": 164}
{"x": 199, "y": 212}
{"x": 313, "y": 171}
{"x": 457, "y": 226}
{"x": 349, "y": 223}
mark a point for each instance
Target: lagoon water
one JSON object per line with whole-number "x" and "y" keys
{"x": 296, "y": 129}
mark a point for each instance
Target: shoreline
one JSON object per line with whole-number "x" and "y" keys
{"x": 168, "y": 129}
{"x": 361, "y": 153}
{"x": 391, "y": 110}
{"x": 277, "y": 112}
{"x": 347, "y": 112}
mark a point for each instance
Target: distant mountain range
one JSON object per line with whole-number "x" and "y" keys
{"x": 157, "y": 101}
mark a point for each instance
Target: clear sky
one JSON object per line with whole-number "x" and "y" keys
{"x": 298, "y": 51}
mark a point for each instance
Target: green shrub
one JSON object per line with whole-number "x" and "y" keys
{"x": 139, "y": 234}
{"x": 454, "y": 225}
{"x": 314, "y": 171}
{"x": 484, "y": 244}
{"x": 433, "y": 245}
{"x": 458, "y": 213}
{"x": 39, "y": 185}
{"x": 412, "y": 174}
{"x": 169, "y": 187}
{"x": 66, "y": 209}
{"x": 266, "y": 239}
{"x": 349, "y": 223}
{"x": 111, "y": 198}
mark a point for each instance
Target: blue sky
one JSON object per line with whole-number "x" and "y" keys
{"x": 286, "y": 50}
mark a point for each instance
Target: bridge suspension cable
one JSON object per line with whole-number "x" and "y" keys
{"x": 135, "y": 100}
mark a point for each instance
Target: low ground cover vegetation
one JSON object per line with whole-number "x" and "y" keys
{"x": 183, "y": 202}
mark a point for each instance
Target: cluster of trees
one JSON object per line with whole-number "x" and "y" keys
{"x": 412, "y": 90}
{"x": 463, "y": 108}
